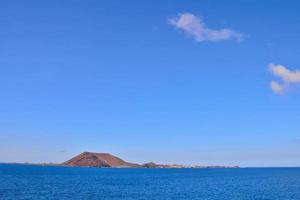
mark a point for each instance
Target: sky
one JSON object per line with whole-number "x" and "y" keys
{"x": 186, "y": 82}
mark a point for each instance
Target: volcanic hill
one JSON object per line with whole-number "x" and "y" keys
{"x": 98, "y": 160}
{"x": 89, "y": 159}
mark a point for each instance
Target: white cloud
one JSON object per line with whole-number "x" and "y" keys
{"x": 286, "y": 76}
{"x": 277, "y": 87}
{"x": 194, "y": 26}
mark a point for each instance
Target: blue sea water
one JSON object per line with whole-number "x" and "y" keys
{"x": 41, "y": 182}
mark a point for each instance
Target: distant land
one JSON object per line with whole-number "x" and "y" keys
{"x": 90, "y": 159}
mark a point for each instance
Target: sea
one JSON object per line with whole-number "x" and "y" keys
{"x": 54, "y": 182}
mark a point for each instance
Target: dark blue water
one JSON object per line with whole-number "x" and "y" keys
{"x": 37, "y": 182}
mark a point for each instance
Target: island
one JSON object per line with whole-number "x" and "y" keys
{"x": 90, "y": 159}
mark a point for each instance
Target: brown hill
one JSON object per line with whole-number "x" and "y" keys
{"x": 98, "y": 160}
{"x": 90, "y": 159}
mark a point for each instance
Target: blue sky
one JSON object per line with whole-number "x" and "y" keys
{"x": 187, "y": 82}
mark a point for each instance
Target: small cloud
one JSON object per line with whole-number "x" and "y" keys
{"x": 287, "y": 77}
{"x": 286, "y": 74}
{"x": 194, "y": 26}
{"x": 277, "y": 87}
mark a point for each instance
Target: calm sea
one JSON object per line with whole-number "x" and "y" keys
{"x": 37, "y": 182}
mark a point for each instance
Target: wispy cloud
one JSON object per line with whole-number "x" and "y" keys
{"x": 277, "y": 87}
{"x": 286, "y": 77}
{"x": 194, "y": 26}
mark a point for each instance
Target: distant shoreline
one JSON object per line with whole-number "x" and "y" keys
{"x": 210, "y": 167}
{"x": 124, "y": 167}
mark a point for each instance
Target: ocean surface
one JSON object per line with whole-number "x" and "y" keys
{"x": 41, "y": 182}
